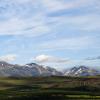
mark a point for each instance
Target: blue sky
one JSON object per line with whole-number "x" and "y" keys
{"x": 59, "y": 33}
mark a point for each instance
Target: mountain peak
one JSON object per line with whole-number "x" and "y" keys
{"x": 4, "y": 64}
{"x": 81, "y": 71}
{"x": 83, "y": 67}
{"x": 32, "y": 64}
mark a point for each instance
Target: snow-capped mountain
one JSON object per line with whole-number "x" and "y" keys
{"x": 81, "y": 71}
{"x": 31, "y": 69}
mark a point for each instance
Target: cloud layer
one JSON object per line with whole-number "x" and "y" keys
{"x": 32, "y": 17}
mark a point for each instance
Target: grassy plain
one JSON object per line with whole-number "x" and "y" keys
{"x": 50, "y": 88}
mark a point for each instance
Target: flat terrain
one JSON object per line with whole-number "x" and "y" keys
{"x": 50, "y": 88}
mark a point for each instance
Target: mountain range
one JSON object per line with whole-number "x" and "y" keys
{"x": 33, "y": 69}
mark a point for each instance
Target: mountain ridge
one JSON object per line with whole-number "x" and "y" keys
{"x": 30, "y": 69}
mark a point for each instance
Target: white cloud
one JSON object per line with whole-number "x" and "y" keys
{"x": 8, "y": 58}
{"x": 15, "y": 26}
{"x": 49, "y": 59}
{"x": 22, "y": 18}
{"x": 52, "y": 5}
{"x": 23, "y": 1}
{"x": 82, "y": 23}
{"x": 56, "y": 5}
{"x": 88, "y": 23}
{"x": 75, "y": 43}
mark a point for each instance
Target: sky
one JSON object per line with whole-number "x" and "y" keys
{"x": 57, "y": 33}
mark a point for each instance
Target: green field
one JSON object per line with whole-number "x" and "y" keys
{"x": 50, "y": 88}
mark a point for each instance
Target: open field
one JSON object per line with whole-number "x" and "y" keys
{"x": 50, "y": 88}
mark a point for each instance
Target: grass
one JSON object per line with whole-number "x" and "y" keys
{"x": 50, "y": 88}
